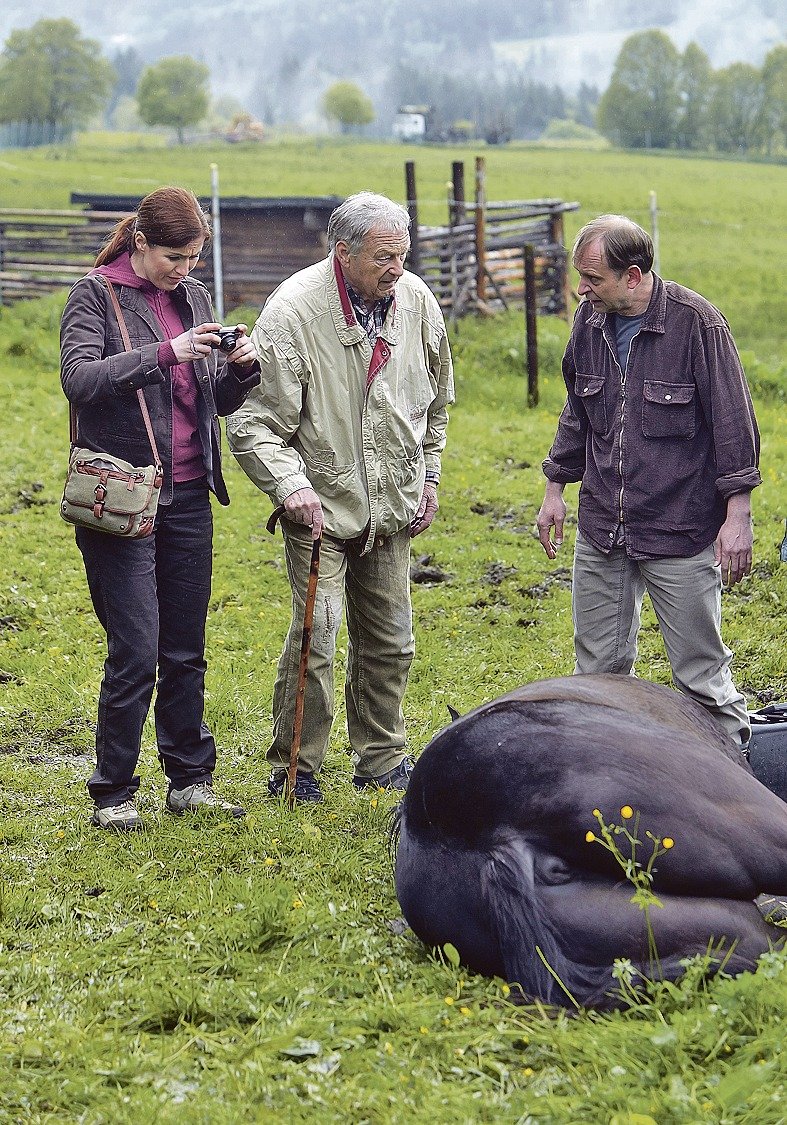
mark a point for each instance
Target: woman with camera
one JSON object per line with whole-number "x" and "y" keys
{"x": 151, "y": 594}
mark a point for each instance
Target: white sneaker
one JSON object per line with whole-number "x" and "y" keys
{"x": 200, "y": 796}
{"x": 123, "y": 817}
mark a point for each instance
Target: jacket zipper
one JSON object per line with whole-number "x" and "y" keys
{"x": 623, "y": 371}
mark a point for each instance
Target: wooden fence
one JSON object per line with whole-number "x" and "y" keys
{"x": 475, "y": 263}
{"x": 449, "y": 263}
{"x": 45, "y": 250}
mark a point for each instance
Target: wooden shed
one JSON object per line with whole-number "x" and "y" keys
{"x": 263, "y": 240}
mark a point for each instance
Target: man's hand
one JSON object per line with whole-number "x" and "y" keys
{"x": 733, "y": 546}
{"x": 427, "y": 510}
{"x": 551, "y": 514}
{"x": 304, "y": 507}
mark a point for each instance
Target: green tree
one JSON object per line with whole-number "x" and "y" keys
{"x": 50, "y": 75}
{"x": 640, "y": 107}
{"x": 695, "y": 84}
{"x": 174, "y": 92}
{"x": 774, "y": 109}
{"x": 346, "y": 103}
{"x": 736, "y": 109}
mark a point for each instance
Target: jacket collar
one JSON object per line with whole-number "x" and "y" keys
{"x": 348, "y": 329}
{"x": 131, "y": 296}
{"x": 655, "y": 314}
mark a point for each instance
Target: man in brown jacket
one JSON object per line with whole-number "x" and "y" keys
{"x": 659, "y": 428}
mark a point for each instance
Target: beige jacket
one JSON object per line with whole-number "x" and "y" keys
{"x": 360, "y": 429}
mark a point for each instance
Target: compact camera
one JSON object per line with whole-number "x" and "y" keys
{"x": 228, "y": 339}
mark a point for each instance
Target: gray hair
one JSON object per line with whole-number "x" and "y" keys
{"x": 362, "y": 213}
{"x": 625, "y": 243}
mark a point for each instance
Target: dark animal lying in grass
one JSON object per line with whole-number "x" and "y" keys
{"x": 493, "y": 853}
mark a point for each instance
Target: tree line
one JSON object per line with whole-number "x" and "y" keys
{"x": 658, "y": 97}
{"x": 53, "y": 77}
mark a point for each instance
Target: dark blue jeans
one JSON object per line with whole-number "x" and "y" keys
{"x": 151, "y": 596}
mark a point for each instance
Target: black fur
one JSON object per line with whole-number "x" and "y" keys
{"x": 492, "y": 855}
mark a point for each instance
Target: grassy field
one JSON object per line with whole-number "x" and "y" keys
{"x": 228, "y": 972}
{"x": 721, "y": 222}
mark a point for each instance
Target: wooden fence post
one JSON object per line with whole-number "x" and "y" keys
{"x": 480, "y": 209}
{"x": 557, "y": 234}
{"x": 412, "y": 208}
{"x": 530, "y": 324}
{"x": 218, "y": 272}
{"x": 458, "y": 212}
{"x": 654, "y": 226}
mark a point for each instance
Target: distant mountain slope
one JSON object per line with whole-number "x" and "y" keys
{"x": 278, "y": 56}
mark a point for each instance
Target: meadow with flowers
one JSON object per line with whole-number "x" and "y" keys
{"x": 208, "y": 971}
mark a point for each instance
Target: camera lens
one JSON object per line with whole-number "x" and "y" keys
{"x": 229, "y": 339}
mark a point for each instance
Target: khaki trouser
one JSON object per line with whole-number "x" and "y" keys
{"x": 686, "y": 597}
{"x": 375, "y": 589}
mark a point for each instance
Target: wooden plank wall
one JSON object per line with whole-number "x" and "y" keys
{"x": 41, "y": 251}
{"x": 259, "y": 253}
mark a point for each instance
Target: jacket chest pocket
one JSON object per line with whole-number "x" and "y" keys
{"x": 589, "y": 389}
{"x": 668, "y": 410}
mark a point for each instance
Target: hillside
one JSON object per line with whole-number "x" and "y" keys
{"x": 277, "y": 57}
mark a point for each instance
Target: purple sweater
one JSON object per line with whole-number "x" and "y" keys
{"x": 187, "y": 463}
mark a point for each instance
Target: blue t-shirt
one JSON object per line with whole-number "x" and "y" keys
{"x": 626, "y": 328}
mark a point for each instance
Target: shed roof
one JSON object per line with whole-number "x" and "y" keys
{"x": 100, "y": 201}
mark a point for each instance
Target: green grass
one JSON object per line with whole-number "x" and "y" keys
{"x": 259, "y": 972}
{"x": 721, "y": 222}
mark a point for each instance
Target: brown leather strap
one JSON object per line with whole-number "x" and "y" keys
{"x": 275, "y": 516}
{"x": 127, "y": 345}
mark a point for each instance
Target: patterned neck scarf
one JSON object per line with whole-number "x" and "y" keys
{"x": 371, "y": 320}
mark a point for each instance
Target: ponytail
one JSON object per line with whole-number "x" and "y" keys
{"x": 169, "y": 216}
{"x": 120, "y": 241}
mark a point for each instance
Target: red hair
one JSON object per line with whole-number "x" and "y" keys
{"x": 169, "y": 216}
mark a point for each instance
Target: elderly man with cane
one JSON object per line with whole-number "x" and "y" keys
{"x": 345, "y": 433}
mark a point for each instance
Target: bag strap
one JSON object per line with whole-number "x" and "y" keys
{"x": 72, "y": 415}
{"x": 127, "y": 345}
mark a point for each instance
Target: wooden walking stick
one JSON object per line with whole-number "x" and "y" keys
{"x": 306, "y": 639}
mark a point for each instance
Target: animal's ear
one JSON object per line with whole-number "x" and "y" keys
{"x": 452, "y": 711}
{"x": 529, "y": 949}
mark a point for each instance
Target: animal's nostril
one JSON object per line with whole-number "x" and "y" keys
{"x": 552, "y": 870}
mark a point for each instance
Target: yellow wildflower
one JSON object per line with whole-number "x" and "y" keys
{"x": 296, "y": 903}
{"x": 465, "y": 1011}
{"x": 627, "y": 812}
{"x": 590, "y": 837}
{"x": 424, "y": 1030}
{"x": 668, "y": 843}
{"x": 449, "y": 999}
